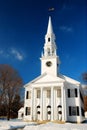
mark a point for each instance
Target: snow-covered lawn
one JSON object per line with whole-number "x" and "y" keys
{"x": 54, "y": 126}
{"x": 5, "y": 125}
{"x": 12, "y": 124}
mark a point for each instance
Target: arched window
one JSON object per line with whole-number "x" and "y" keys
{"x": 59, "y": 106}
{"x": 48, "y": 39}
{"x": 48, "y": 106}
{"x": 38, "y": 106}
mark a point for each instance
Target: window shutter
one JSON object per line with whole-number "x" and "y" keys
{"x": 77, "y": 111}
{"x": 68, "y": 92}
{"x": 75, "y": 92}
{"x": 27, "y": 95}
{"x": 69, "y": 111}
{"x": 26, "y": 110}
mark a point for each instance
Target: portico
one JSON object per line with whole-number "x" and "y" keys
{"x": 47, "y": 101}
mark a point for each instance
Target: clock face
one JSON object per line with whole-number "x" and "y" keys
{"x": 48, "y": 63}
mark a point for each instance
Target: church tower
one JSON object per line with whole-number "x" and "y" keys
{"x": 49, "y": 59}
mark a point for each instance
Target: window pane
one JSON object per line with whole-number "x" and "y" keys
{"x": 58, "y": 92}
{"x": 28, "y": 110}
{"x": 73, "y": 111}
{"x": 72, "y": 93}
{"x": 48, "y": 93}
{"x": 38, "y": 93}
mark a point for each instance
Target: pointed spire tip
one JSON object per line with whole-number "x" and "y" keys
{"x": 50, "y": 28}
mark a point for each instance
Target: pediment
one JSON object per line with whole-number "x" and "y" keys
{"x": 49, "y": 78}
{"x": 46, "y": 78}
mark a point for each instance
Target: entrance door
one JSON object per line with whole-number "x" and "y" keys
{"x": 48, "y": 112}
{"x": 59, "y": 108}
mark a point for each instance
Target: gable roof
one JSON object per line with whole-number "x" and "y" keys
{"x": 47, "y": 78}
{"x": 68, "y": 79}
{"x": 21, "y": 109}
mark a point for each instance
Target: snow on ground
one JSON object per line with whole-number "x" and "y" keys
{"x": 54, "y": 126}
{"x": 9, "y": 125}
{"x": 12, "y": 124}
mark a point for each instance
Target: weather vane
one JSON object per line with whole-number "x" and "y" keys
{"x": 51, "y": 9}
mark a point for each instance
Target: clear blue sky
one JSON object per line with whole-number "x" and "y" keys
{"x": 23, "y": 25}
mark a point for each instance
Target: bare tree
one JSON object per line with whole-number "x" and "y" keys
{"x": 84, "y": 79}
{"x": 10, "y": 84}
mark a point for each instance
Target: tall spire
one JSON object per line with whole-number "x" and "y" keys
{"x": 49, "y": 46}
{"x": 50, "y": 28}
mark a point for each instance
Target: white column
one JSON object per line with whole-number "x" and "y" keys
{"x": 65, "y": 108}
{"x": 42, "y": 103}
{"x": 63, "y": 100}
{"x": 34, "y": 104}
{"x": 79, "y": 119}
{"x": 52, "y": 104}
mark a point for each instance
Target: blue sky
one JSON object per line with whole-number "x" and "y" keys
{"x": 23, "y": 25}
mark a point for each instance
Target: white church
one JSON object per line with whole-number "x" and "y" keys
{"x": 53, "y": 96}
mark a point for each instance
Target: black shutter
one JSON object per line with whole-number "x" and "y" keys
{"x": 77, "y": 111}
{"x": 75, "y": 92}
{"x": 27, "y": 95}
{"x": 69, "y": 111}
{"x": 26, "y": 110}
{"x": 68, "y": 92}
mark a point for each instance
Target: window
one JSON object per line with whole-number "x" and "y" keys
{"x": 58, "y": 92}
{"x": 48, "y": 39}
{"x": 28, "y": 94}
{"x": 38, "y": 93}
{"x": 28, "y": 110}
{"x": 73, "y": 111}
{"x": 48, "y": 106}
{"x": 48, "y": 93}
{"x": 72, "y": 92}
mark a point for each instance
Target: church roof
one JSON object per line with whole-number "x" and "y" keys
{"x": 50, "y": 79}
{"x": 21, "y": 109}
{"x": 68, "y": 79}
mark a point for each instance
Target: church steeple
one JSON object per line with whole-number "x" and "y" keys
{"x": 49, "y": 58}
{"x": 49, "y": 46}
